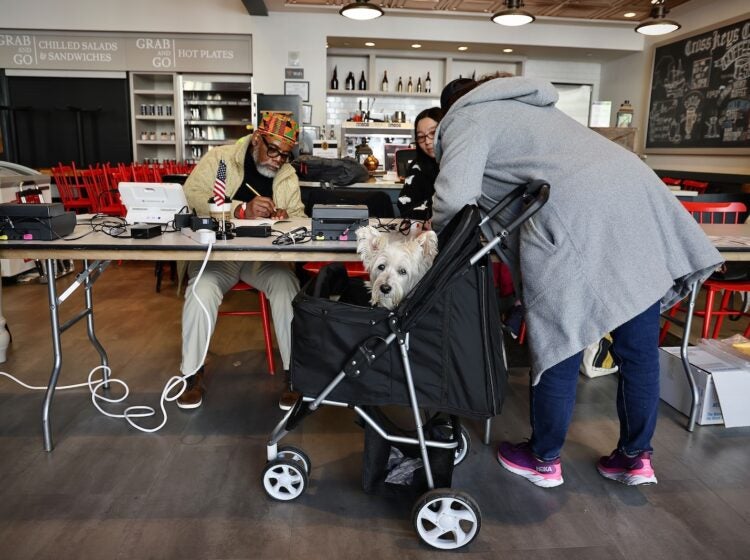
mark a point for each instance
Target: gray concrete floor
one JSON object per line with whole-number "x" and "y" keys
{"x": 193, "y": 489}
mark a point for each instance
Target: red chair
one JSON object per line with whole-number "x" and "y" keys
{"x": 354, "y": 269}
{"x": 698, "y": 186}
{"x": 102, "y": 184}
{"x": 265, "y": 315}
{"x": 75, "y": 196}
{"x": 714, "y": 213}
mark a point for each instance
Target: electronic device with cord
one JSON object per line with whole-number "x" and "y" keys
{"x": 338, "y": 221}
{"x": 36, "y": 221}
{"x": 152, "y": 203}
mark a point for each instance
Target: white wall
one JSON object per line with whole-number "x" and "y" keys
{"x": 274, "y": 36}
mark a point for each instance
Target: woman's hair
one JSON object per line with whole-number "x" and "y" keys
{"x": 434, "y": 113}
{"x": 456, "y": 89}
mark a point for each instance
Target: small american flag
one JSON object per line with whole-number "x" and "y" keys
{"x": 220, "y": 187}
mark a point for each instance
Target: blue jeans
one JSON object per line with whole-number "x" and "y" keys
{"x": 635, "y": 348}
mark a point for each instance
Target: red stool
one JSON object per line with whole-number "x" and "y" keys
{"x": 265, "y": 319}
{"x": 354, "y": 269}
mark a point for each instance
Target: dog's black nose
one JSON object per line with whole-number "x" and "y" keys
{"x": 385, "y": 288}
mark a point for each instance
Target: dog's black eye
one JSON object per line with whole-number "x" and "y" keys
{"x": 381, "y": 267}
{"x": 402, "y": 271}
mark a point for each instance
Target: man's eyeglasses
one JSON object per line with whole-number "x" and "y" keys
{"x": 421, "y": 138}
{"x": 273, "y": 151}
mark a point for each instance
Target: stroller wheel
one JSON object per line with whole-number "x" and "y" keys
{"x": 296, "y": 455}
{"x": 464, "y": 445}
{"x": 446, "y": 519}
{"x": 284, "y": 480}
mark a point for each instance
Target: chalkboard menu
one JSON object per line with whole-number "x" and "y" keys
{"x": 700, "y": 92}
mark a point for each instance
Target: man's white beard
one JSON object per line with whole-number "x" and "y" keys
{"x": 264, "y": 170}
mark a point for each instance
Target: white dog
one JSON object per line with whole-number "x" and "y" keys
{"x": 395, "y": 262}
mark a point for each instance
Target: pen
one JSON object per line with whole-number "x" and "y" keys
{"x": 258, "y": 194}
{"x": 252, "y": 189}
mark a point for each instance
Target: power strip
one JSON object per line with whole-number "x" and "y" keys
{"x": 202, "y": 236}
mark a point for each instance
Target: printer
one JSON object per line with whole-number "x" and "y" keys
{"x": 338, "y": 222}
{"x": 36, "y": 221}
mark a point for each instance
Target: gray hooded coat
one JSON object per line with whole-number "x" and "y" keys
{"x": 611, "y": 241}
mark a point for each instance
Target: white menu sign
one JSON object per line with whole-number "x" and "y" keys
{"x": 173, "y": 52}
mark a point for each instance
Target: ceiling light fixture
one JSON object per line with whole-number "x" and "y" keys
{"x": 658, "y": 24}
{"x": 629, "y": 14}
{"x": 361, "y": 10}
{"x": 462, "y": 48}
{"x": 369, "y": 44}
{"x": 416, "y": 46}
{"x": 513, "y": 15}
{"x": 507, "y": 50}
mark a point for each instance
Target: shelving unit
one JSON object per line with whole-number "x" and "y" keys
{"x": 342, "y": 104}
{"x": 155, "y": 114}
{"x": 216, "y": 110}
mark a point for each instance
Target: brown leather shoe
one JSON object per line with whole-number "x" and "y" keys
{"x": 192, "y": 397}
{"x": 288, "y": 398}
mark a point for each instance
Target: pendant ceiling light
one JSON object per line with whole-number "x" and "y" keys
{"x": 513, "y": 15}
{"x": 361, "y": 10}
{"x": 658, "y": 24}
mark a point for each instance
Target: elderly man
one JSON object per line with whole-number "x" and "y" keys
{"x": 261, "y": 184}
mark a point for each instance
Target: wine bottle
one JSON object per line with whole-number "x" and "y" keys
{"x": 384, "y": 83}
{"x": 400, "y": 86}
{"x": 410, "y": 86}
{"x": 334, "y": 80}
{"x": 428, "y": 83}
{"x": 350, "y": 81}
{"x": 362, "y": 81}
{"x": 419, "y": 85}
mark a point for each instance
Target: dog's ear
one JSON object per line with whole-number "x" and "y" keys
{"x": 369, "y": 241}
{"x": 428, "y": 244}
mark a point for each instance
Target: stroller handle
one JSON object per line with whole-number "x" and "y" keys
{"x": 535, "y": 195}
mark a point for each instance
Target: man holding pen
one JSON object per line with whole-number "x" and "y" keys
{"x": 261, "y": 184}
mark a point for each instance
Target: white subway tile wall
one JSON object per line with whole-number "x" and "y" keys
{"x": 342, "y": 108}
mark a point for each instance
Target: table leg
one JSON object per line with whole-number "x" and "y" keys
{"x": 86, "y": 278}
{"x": 694, "y": 287}
{"x": 4, "y": 336}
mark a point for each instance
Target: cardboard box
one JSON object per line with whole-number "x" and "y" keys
{"x": 720, "y": 382}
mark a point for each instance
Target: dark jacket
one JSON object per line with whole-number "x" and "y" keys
{"x": 415, "y": 198}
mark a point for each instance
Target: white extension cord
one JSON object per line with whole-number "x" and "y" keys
{"x": 138, "y": 411}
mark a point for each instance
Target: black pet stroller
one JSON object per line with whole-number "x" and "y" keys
{"x": 449, "y": 358}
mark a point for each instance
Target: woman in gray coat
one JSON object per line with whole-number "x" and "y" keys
{"x": 609, "y": 250}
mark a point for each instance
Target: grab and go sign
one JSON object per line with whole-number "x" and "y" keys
{"x": 52, "y": 50}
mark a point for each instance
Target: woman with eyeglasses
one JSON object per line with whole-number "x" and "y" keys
{"x": 415, "y": 198}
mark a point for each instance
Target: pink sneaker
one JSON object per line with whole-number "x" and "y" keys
{"x": 518, "y": 459}
{"x": 628, "y": 470}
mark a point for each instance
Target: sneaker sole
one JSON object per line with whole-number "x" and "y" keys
{"x": 531, "y": 476}
{"x": 628, "y": 478}
{"x": 189, "y": 406}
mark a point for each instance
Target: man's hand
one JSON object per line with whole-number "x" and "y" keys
{"x": 260, "y": 207}
{"x": 280, "y": 214}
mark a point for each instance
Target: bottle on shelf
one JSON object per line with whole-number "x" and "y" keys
{"x": 384, "y": 83}
{"x": 362, "y": 82}
{"x": 350, "y": 81}
{"x": 419, "y": 84}
{"x": 335, "y": 79}
{"x": 428, "y": 83}
{"x": 410, "y": 86}
{"x": 400, "y": 86}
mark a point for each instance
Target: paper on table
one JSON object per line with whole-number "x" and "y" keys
{"x": 255, "y": 222}
{"x": 729, "y": 241}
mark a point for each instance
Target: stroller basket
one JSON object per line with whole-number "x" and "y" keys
{"x": 454, "y": 340}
